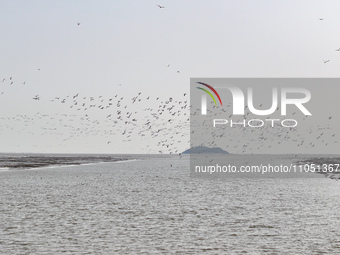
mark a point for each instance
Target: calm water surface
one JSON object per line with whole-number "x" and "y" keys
{"x": 152, "y": 206}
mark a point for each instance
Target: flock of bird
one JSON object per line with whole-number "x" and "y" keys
{"x": 158, "y": 122}
{"x": 11, "y": 82}
{"x": 242, "y": 139}
{"x": 165, "y": 122}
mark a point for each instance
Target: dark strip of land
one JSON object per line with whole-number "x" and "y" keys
{"x": 44, "y": 161}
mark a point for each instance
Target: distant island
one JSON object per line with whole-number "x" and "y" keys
{"x": 203, "y": 149}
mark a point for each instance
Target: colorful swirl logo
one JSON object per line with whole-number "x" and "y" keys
{"x": 212, "y": 89}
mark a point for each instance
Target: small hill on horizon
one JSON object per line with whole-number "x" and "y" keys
{"x": 204, "y": 149}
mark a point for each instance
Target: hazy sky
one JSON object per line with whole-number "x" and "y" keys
{"x": 124, "y": 47}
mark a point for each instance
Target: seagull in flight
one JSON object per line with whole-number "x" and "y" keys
{"x": 321, "y": 18}
{"x": 160, "y": 6}
{"x": 78, "y": 23}
{"x": 325, "y": 61}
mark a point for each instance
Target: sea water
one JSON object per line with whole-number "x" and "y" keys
{"x": 151, "y": 205}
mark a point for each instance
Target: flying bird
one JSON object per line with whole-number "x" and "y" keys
{"x": 325, "y": 61}
{"x": 160, "y": 6}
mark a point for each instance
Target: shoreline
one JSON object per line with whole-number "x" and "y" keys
{"x": 34, "y": 162}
